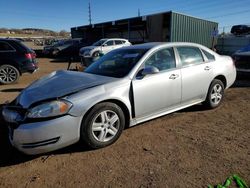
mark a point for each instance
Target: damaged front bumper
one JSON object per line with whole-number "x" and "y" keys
{"x": 41, "y": 136}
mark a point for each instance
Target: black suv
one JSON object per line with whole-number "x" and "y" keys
{"x": 65, "y": 48}
{"x": 15, "y": 59}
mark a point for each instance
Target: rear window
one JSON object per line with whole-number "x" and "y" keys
{"x": 208, "y": 55}
{"x": 5, "y": 47}
{"x": 23, "y": 46}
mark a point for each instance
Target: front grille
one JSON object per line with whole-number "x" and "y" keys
{"x": 243, "y": 63}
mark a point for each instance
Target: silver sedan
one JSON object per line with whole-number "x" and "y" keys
{"x": 127, "y": 86}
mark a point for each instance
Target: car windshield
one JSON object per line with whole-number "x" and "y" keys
{"x": 58, "y": 43}
{"x": 117, "y": 63}
{"x": 99, "y": 43}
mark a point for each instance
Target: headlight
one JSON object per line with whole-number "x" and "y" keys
{"x": 50, "y": 109}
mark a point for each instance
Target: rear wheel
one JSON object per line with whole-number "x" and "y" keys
{"x": 103, "y": 125}
{"x": 8, "y": 74}
{"x": 215, "y": 94}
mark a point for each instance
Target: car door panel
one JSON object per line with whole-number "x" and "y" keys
{"x": 196, "y": 74}
{"x": 195, "y": 81}
{"x": 108, "y": 47}
{"x": 157, "y": 92}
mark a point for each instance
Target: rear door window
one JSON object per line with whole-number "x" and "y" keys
{"x": 118, "y": 42}
{"x": 5, "y": 47}
{"x": 190, "y": 56}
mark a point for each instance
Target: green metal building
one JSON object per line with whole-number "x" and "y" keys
{"x": 162, "y": 27}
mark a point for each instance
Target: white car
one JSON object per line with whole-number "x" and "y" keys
{"x": 103, "y": 46}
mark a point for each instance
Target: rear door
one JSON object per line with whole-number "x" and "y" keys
{"x": 196, "y": 73}
{"x": 158, "y": 92}
{"x": 6, "y": 52}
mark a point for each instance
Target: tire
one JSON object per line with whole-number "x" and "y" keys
{"x": 55, "y": 52}
{"x": 96, "y": 54}
{"x": 103, "y": 125}
{"x": 8, "y": 74}
{"x": 215, "y": 94}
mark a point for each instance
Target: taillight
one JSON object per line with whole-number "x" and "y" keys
{"x": 30, "y": 55}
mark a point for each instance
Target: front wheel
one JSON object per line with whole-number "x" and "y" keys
{"x": 215, "y": 94}
{"x": 96, "y": 54}
{"x": 103, "y": 125}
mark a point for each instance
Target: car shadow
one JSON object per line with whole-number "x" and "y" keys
{"x": 196, "y": 108}
{"x": 12, "y": 90}
{"x": 64, "y": 60}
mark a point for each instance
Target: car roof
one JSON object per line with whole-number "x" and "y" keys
{"x": 8, "y": 39}
{"x": 156, "y": 45}
{"x": 114, "y": 39}
{"x": 151, "y": 45}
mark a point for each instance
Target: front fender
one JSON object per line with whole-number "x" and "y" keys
{"x": 83, "y": 101}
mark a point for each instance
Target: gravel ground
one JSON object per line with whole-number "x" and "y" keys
{"x": 190, "y": 148}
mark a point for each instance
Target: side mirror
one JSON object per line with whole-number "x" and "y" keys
{"x": 149, "y": 70}
{"x": 104, "y": 45}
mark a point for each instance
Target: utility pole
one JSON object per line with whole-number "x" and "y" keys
{"x": 139, "y": 12}
{"x": 89, "y": 14}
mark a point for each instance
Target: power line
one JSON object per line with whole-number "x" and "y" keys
{"x": 212, "y": 5}
{"x": 229, "y": 14}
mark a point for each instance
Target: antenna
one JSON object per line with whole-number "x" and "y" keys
{"x": 89, "y": 14}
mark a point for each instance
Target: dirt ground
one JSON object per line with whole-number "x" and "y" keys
{"x": 190, "y": 148}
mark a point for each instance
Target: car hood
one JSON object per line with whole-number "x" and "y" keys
{"x": 59, "y": 84}
{"x": 245, "y": 51}
{"x": 89, "y": 48}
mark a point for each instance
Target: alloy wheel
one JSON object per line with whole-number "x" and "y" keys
{"x": 8, "y": 74}
{"x": 216, "y": 94}
{"x": 105, "y": 126}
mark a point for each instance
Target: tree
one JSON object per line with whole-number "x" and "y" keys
{"x": 64, "y": 33}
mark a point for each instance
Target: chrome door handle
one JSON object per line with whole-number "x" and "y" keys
{"x": 173, "y": 76}
{"x": 207, "y": 68}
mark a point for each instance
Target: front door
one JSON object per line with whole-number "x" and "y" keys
{"x": 108, "y": 46}
{"x": 155, "y": 93}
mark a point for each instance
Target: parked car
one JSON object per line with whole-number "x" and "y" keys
{"x": 123, "y": 88}
{"x": 242, "y": 59}
{"x": 65, "y": 48}
{"x": 15, "y": 59}
{"x": 240, "y": 29}
{"x": 103, "y": 46}
{"x": 48, "y": 49}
